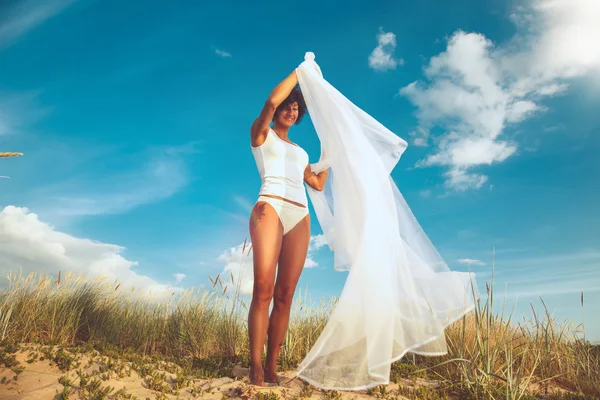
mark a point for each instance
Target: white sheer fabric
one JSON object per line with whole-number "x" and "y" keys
{"x": 399, "y": 294}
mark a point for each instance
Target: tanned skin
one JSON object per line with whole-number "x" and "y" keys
{"x": 272, "y": 250}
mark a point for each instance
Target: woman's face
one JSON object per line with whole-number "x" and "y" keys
{"x": 288, "y": 115}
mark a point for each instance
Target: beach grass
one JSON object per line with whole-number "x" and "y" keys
{"x": 203, "y": 334}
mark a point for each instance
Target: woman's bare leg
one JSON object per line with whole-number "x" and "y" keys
{"x": 291, "y": 261}
{"x": 266, "y": 233}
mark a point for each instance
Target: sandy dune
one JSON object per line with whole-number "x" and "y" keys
{"x": 40, "y": 380}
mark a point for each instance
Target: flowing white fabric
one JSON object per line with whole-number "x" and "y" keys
{"x": 399, "y": 294}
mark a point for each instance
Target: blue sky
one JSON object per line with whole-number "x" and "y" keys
{"x": 134, "y": 120}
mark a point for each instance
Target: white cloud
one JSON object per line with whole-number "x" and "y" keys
{"x": 238, "y": 263}
{"x": 27, "y": 243}
{"x": 459, "y": 179}
{"x": 470, "y": 261}
{"x": 317, "y": 241}
{"x": 420, "y": 137}
{"x": 179, "y": 277}
{"x": 420, "y": 142}
{"x": 222, "y": 53}
{"x": 310, "y": 263}
{"x": 24, "y": 16}
{"x": 153, "y": 176}
{"x": 465, "y": 152}
{"x": 520, "y": 110}
{"x": 475, "y": 89}
{"x": 382, "y": 57}
{"x": 552, "y": 89}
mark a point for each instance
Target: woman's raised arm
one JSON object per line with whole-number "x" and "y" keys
{"x": 260, "y": 127}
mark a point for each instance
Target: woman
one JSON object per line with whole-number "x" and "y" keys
{"x": 399, "y": 294}
{"x": 279, "y": 223}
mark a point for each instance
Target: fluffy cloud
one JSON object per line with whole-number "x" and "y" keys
{"x": 420, "y": 137}
{"x": 238, "y": 268}
{"x": 26, "y": 243}
{"x": 239, "y": 265}
{"x": 316, "y": 242}
{"x": 474, "y": 89}
{"x": 382, "y": 57}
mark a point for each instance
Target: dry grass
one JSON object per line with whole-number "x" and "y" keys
{"x": 490, "y": 356}
{"x": 10, "y": 154}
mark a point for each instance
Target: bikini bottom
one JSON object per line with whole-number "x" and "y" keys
{"x": 289, "y": 214}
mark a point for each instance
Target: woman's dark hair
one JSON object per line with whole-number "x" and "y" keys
{"x": 295, "y": 96}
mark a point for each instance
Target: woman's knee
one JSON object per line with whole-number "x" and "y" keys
{"x": 263, "y": 292}
{"x": 284, "y": 295}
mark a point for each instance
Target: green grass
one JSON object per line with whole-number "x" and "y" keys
{"x": 205, "y": 334}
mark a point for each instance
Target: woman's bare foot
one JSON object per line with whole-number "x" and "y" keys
{"x": 257, "y": 376}
{"x": 271, "y": 377}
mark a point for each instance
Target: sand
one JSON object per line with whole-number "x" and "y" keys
{"x": 40, "y": 380}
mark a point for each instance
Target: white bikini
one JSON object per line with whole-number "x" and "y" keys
{"x": 281, "y": 166}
